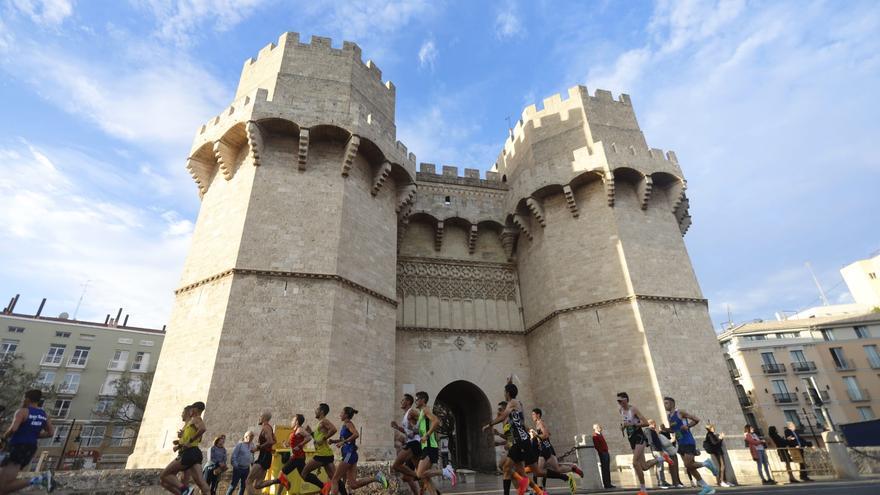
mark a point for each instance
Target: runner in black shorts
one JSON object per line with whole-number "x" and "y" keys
{"x": 548, "y": 461}
{"x": 632, "y": 424}
{"x": 263, "y": 449}
{"x": 297, "y": 461}
{"x": 323, "y": 454}
{"x": 411, "y": 452}
{"x": 29, "y": 424}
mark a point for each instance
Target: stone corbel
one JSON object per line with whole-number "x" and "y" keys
{"x": 406, "y": 195}
{"x": 508, "y": 242}
{"x": 537, "y": 210}
{"x": 523, "y": 225}
{"x": 676, "y": 193}
{"x": 255, "y": 141}
{"x": 303, "y": 152}
{"x": 380, "y": 176}
{"x": 608, "y": 181}
{"x": 645, "y": 188}
{"x": 570, "y": 201}
{"x": 438, "y": 236}
{"x": 351, "y": 149}
{"x": 202, "y": 171}
{"x": 225, "y": 154}
{"x": 472, "y": 239}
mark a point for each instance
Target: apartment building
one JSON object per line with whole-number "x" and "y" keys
{"x": 812, "y": 371}
{"x": 80, "y": 362}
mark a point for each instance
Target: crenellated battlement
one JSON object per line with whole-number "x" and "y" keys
{"x": 450, "y": 174}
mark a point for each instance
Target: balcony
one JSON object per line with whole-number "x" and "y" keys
{"x": 874, "y": 362}
{"x": 745, "y": 402}
{"x": 844, "y": 365}
{"x": 77, "y": 362}
{"x": 785, "y": 398}
{"x": 68, "y": 388}
{"x": 773, "y": 369}
{"x": 821, "y": 394}
{"x": 803, "y": 366}
{"x": 858, "y": 395}
{"x": 735, "y": 373}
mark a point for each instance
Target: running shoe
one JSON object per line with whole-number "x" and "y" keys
{"x": 577, "y": 470}
{"x": 283, "y": 481}
{"x": 667, "y": 459}
{"x": 707, "y": 490}
{"x": 188, "y": 490}
{"x": 49, "y": 481}
{"x": 449, "y": 473}
{"x": 521, "y": 485}
{"x": 708, "y": 464}
{"x": 572, "y": 484}
{"x": 382, "y": 479}
{"x": 678, "y": 486}
{"x": 325, "y": 490}
{"x": 642, "y": 492}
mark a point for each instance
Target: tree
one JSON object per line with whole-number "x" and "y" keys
{"x": 15, "y": 380}
{"x": 127, "y": 406}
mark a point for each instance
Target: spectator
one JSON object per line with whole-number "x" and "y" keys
{"x": 782, "y": 451}
{"x": 604, "y": 457}
{"x": 656, "y": 444}
{"x": 714, "y": 446}
{"x": 672, "y": 450}
{"x": 796, "y": 442}
{"x": 758, "y": 449}
{"x": 216, "y": 464}
{"x": 242, "y": 458}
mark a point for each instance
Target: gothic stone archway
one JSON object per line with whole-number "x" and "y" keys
{"x": 464, "y": 409}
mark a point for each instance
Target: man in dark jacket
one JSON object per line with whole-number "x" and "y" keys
{"x": 795, "y": 441}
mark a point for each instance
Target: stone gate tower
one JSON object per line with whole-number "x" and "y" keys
{"x": 324, "y": 268}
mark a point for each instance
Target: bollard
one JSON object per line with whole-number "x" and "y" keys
{"x": 844, "y": 467}
{"x": 588, "y": 460}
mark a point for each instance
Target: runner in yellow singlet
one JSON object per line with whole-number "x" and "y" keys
{"x": 323, "y": 454}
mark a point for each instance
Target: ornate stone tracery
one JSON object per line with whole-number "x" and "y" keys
{"x": 456, "y": 280}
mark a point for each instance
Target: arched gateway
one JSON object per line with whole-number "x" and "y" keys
{"x": 464, "y": 409}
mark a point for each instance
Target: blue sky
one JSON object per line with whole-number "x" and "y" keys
{"x": 772, "y": 108}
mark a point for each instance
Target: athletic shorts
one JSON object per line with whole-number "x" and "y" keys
{"x": 548, "y": 452}
{"x": 687, "y": 449}
{"x": 297, "y": 463}
{"x": 190, "y": 456}
{"x": 350, "y": 457}
{"x": 410, "y": 464}
{"x": 323, "y": 459}
{"x": 637, "y": 437}
{"x": 20, "y": 454}
{"x": 415, "y": 447}
{"x": 264, "y": 460}
{"x": 432, "y": 453}
{"x": 523, "y": 452}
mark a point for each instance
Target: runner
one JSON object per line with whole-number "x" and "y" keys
{"x": 399, "y": 442}
{"x": 680, "y": 423}
{"x": 632, "y": 425}
{"x": 409, "y": 455}
{"x": 189, "y": 455}
{"x": 506, "y": 464}
{"x": 548, "y": 460}
{"x": 298, "y": 439}
{"x": 323, "y": 455}
{"x": 265, "y": 444}
{"x": 346, "y": 468}
{"x": 521, "y": 452}
{"x": 430, "y": 447}
{"x": 29, "y": 424}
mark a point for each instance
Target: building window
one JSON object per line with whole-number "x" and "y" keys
{"x": 798, "y": 356}
{"x": 80, "y": 357}
{"x": 840, "y": 361}
{"x": 788, "y": 335}
{"x": 122, "y": 436}
{"x": 856, "y": 393}
{"x": 109, "y": 387}
{"x": 103, "y": 406}
{"x": 54, "y": 356}
{"x": 865, "y": 413}
{"x": 120, "y": 359}
{"x": 61, "y": 432}
{"x": 862, "y": 332}
{"x": 70, "y": 384}
{"x": 873, "y": 356}
{"x": 16, "y": 329}
{"x": 872, "y": 275}
{"x": 45, "y": 380}
{"x": 756, "y": 337}
{"x": 8, "y": 348}
{"x": 92, "y": 435}
{"x": 768, "y": 358}
{"x": 62, "y": 407}
{"x": 792, "y": 415}
{"x": 827, "y": 335}
{"x": 447, "y": 200}
{"x": 63, "y": 335}
{"x": 141, "y": 361}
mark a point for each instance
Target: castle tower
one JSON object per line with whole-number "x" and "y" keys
{"x": 610, "y": 300}
{"x": 287, "y": 297}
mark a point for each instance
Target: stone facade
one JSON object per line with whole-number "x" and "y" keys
{"x": 325, "y": 268}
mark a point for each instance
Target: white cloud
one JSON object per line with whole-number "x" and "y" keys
{"x": 508, "y": 23}
{"x": 178, "y": 20}
{"x": 428, "y": 54}
{"x": 47, "y": 12}
{"x": 63, "y": 228}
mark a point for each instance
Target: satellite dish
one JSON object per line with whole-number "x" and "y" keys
{"x": 64, "y": 316}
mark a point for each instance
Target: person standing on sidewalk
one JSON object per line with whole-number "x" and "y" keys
{"x": 241, "y": 461}
{"x": 796, "y": 442}
{"x": 714, "y": 446}
{"x": 758, "y": 449}
{"x": 656, "y": 444}
{"x": 604, "y": 456}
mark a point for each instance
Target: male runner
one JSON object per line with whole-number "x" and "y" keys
{"x": 632, "y": 425}
{"x": 29, "y": 424}
{"x": 680, "y": 423}
{"x": 189, "y": 455}
{"x": 263, "y": 449}
{"x": 297, "y": 461}
{"x": 399, "y": 442}
{"x": 430, "y": 447}
{"x": 323, "y": 454}
{"x": 409, "y": 455}
{"x": 521, "y": 452}
{"x": 547, "y": 460}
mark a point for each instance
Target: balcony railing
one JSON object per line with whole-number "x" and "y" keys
{"x": 77, "y": 362}
{"x": 785, "y": 398}
{"x": 822, "y": 394}
{"x": 858, "y": 395}
{"x": 773, "y": 368}
{"x": 116, "y": 365}
{"x": 735, "y": 373}
{"x": 803, "y": 366}
{"x": 845, "y": 365}
{"x": 745, "y": 402}
{"x": 68, "y": 389}
{"x": 874, "y": 362}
